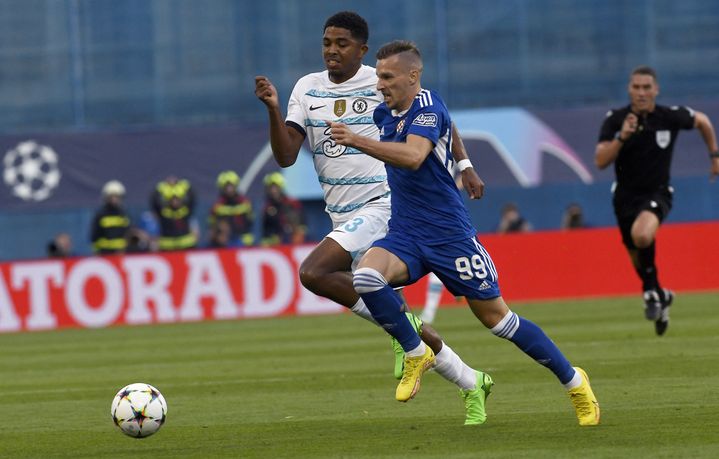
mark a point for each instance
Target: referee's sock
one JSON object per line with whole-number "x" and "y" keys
{"x": 647, "y": 270}
{"x": 386, "y": 307}
{"x": 532, "y": 341}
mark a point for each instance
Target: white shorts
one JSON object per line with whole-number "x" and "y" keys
{"x": 362, "y": 227}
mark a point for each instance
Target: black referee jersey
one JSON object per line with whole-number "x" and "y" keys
{"x": 645, "y": 158}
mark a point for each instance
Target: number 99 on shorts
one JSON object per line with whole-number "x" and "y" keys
{"x": 471, "y": 267}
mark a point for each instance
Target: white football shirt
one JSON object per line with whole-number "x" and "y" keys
{"x": 349, "y": 178}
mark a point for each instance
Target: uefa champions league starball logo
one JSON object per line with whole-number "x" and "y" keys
{"x": 31, "y": 171}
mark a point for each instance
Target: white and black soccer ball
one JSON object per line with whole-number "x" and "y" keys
{"x": 31, "y": 171}
{"x": 139, "y": 410}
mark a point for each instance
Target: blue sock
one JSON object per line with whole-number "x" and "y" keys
{"x": 386, "y": 307}
{"x": 532, "y": 341}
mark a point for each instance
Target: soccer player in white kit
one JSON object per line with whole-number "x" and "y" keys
{"x": 354, "y": 184}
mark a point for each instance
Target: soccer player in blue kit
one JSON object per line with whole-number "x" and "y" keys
{"x": 430, "y": 231}
{"x": 355, "y": 186}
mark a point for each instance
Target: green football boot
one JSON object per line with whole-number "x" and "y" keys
{"x": 475, "y": 399}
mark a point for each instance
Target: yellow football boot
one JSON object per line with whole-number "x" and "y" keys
{"x": 414, "y": 367}
{"x": 584, "y": 401}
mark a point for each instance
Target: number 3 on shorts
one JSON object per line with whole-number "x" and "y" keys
{"x": 468, "y": 269}
{"x": 352, "y": 226}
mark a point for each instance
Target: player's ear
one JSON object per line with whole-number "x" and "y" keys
{"x": 363, "y": 49}
{"x": 414, "y": 76}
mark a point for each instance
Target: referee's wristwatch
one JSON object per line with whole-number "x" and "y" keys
{"x": 714, "y": 154}
{"x": 618, "y": 136}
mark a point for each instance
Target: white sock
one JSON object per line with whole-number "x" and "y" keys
{"x": 417, "y": 351}
{"x": 451, "y": 367}
{"x": 507, "y": 326}
{"x": 434, "y": 294}
{"x": 575, "y": 382}
{"x": 361, "y": 310}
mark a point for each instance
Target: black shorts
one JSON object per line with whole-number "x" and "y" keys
{"x": 628, "y": 205}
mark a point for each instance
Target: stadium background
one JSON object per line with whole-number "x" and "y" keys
{"x": 139, "y": 89}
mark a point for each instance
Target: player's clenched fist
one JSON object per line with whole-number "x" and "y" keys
{"x": 265, "y": 91}
{"x": 629, "y": 126}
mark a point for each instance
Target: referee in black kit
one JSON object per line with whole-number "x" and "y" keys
{"x": 639, "y": 139}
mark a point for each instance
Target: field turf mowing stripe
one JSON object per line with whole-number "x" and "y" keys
{"x": 320, "y": 387}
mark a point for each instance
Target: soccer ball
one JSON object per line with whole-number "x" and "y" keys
{"x": 31, "y": 171}
{"x": 139, "y": 410}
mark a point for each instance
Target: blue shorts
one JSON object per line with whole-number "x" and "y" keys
{"x": 464, "y": 267}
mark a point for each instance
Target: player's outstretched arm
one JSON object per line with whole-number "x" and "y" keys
{"x": 470, "y": 180}
{"x": 410, "y": 154}
{"x": 607, "y": 151}
{"x": 704, "y": 125}
{"x": 285, "y": 141}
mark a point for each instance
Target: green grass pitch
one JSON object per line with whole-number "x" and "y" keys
{"x": 322, "y": 387}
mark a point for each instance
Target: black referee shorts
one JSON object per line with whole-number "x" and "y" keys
{"x": 628, "y": 205}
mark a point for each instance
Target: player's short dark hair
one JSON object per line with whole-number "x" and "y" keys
{"x": 351, "y": 21}
{"x": 644, "y": 70}
{"x": 397, "y": 47}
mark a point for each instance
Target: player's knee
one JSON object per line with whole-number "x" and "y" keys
{"x": 642, "y": 239}
{"x": 367, "y": 280}
{"x": 311, "y": 277}
{"x": 489, "y": 312}
{"x": 312, "y": 274}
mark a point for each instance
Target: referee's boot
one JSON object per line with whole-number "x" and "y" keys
{"x": 652, "y": 305}
{"x": 661, "y": 324}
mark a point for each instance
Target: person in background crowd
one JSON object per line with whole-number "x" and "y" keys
{"x": 138, "y": 241}
{"x": 234, "y": 209}
{"x": 149, "y": 227}
{"x": 573, "y": 217}
{"x": 282, "y": 217}
{"x": 511, "y": 221}
{"x": 60, "y": 246}
{"x": 111, "y": 222}
{"x": 173, "y": 202}
{"x": 639, "y": 139}
{"x": 220, "y": 235}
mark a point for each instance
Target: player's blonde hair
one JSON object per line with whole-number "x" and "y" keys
{"x": 398, "y": 47}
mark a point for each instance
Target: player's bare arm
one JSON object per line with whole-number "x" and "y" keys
{"x": 470, "y": 180}
{"x": 410, "y": 154}
{"x": 705, "y": 128}
{"x": 285, "y": 141}
{"x": 607, "y": 151}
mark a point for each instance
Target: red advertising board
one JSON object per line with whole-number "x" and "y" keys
{"x": 593, "y": 262}
{"x": 155, "y": 288}
{"x": 263, "y": 282}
